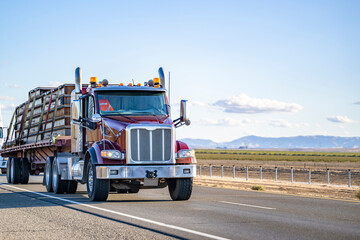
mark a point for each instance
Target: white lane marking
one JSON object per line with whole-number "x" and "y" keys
{"x": 247, "y": 205}
{"x": 124, "y": 214}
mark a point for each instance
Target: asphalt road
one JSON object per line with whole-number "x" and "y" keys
{"x": 29, "y": 212}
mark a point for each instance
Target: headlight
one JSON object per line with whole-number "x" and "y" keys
{"x": 185, "y": 153}
{"x": 112, "y": 154}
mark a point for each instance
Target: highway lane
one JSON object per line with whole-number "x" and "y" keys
{"x": 150, "y": 214}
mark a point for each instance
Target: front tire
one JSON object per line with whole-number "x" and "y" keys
{"x": 180, "y": 188}
{"x": 59, "y": 186}
{"x": 98, "y": 189}
{"x": 8, "y": 171}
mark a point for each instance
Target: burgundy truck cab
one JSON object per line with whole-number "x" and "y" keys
{"x": 123, "y": 139}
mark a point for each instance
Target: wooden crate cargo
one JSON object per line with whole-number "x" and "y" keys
{"x": 46, "y": 114}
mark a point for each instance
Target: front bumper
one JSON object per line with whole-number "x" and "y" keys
{"x": 140, "y": 172}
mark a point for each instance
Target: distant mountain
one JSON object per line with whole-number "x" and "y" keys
{"x": 317, "y": 141}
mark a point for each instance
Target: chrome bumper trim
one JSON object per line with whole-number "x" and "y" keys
{"x": 139, "y": 172}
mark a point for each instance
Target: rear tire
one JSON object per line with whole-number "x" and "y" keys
{"x": 98, "y": 189}
{"x": 71, "y": 187}
{"x": 8, "y": 170}
{"x": 24, "y": 179}
{"x": 59, "y": 186}
{"x": 180, "y": 188}
{"x": 15, "y": 170}
{"x": 48, "y": 174}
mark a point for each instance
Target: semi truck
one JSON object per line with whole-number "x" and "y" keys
{"x": 112, "y": 137}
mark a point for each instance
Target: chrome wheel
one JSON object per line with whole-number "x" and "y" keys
{"x": 54, "y": 175}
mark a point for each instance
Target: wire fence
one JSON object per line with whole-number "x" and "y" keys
{"x": 350, "y": 178}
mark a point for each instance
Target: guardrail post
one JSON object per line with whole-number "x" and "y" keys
{"x": 349, "y": 178}
{"x": 309, "y": 175}
{"x": 247, "y": 173}
{"x": 233, "y": 171}
{"x": 222, "y": 171}
{"x": 210, "y": 168}
{"x": 292, "y": 174}
{"x": 276, "y": 170}
{"x": 260, "y": 172}
{"x": 199, "y": 170}
{"x": 328, "y": 175}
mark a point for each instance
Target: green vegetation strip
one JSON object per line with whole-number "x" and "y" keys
{"x": 221, "y": 154}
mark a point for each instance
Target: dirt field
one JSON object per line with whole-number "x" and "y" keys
{"x": 314, "y": 190}
{"x": 338, "y": 176}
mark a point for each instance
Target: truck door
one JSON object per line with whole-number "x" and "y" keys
{"x": 91, "y": 135}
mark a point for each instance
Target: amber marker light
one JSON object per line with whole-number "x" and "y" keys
{"x": 139, "y": 84}
{"x": 130, "y": 84}
{"x": 121, "y": 84}
{"x": 93, "y": 79}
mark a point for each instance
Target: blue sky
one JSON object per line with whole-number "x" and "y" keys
{"x": 266, "y": 68}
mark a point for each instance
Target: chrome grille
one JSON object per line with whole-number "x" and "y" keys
{"x": 150, "y": 144}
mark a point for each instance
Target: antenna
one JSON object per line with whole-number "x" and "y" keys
{"x": 133, "y": 81}
{"x": 169, "y": 89}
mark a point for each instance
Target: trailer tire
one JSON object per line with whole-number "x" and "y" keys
{"x": 24, "y": 178}
{"x": 180, "y": 188}
{"x": 59, "y": 186}
{"x": 98, "y": 189}
{"x": 71, "y": 187}
{"x": 8, "y": 170}
{"x": 48, "y": 174}
{"x": 15, "y": 170}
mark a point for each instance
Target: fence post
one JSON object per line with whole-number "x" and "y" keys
{"x": 247, "y": 173}
{"x": 260, "y": 172}
{"x": 199, "y": 170}
{"x": 292, "y": 174}
{"x": 210, "y": 168}
{"x": 309, "y": 175}
{"x": 349, "y": 178}
{"x": 222, "y": 171}
{"x": 233, "y": 171}
{"x": 328, "y": 175}
{"x": 276, "y": 170}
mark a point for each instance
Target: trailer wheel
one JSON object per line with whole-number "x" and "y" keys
{"x": 24, "y": 178}
{"x": 15, "y": 170}
{"x": 71, "y": 187}
{"x": 180, "y": 188}
{"x": 8, "y": 170}
{"x": 98, "y": 189}
{"x": 59, "y": 186}
{"x": 48, "y": 174}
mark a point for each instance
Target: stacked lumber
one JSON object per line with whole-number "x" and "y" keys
{"x": 45, "y": 115}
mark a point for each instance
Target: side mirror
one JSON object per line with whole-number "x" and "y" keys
{"x": 1, "y": 133}
{"x": 96, "y": 118}
{"x": 184, "y": 112}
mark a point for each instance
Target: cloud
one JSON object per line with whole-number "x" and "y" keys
{"x": 285, "y": 124}
{"x": 245, "y": 104}
{"x": 7, "y": 98}
{"x": 10, "y": 107}
{"x": 340, "y": 119}
{"x": 230, "y": 122}
{"x": 357, "y": 103}
{"x": 12, "y": 85}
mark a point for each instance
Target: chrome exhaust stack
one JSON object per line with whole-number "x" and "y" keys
{"x": 78, "y": 81}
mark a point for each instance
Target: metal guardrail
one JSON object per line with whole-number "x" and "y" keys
{"x": 348, "y": 177}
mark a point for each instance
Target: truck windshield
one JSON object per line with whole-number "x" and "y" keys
{"x": 134, "y": 103}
